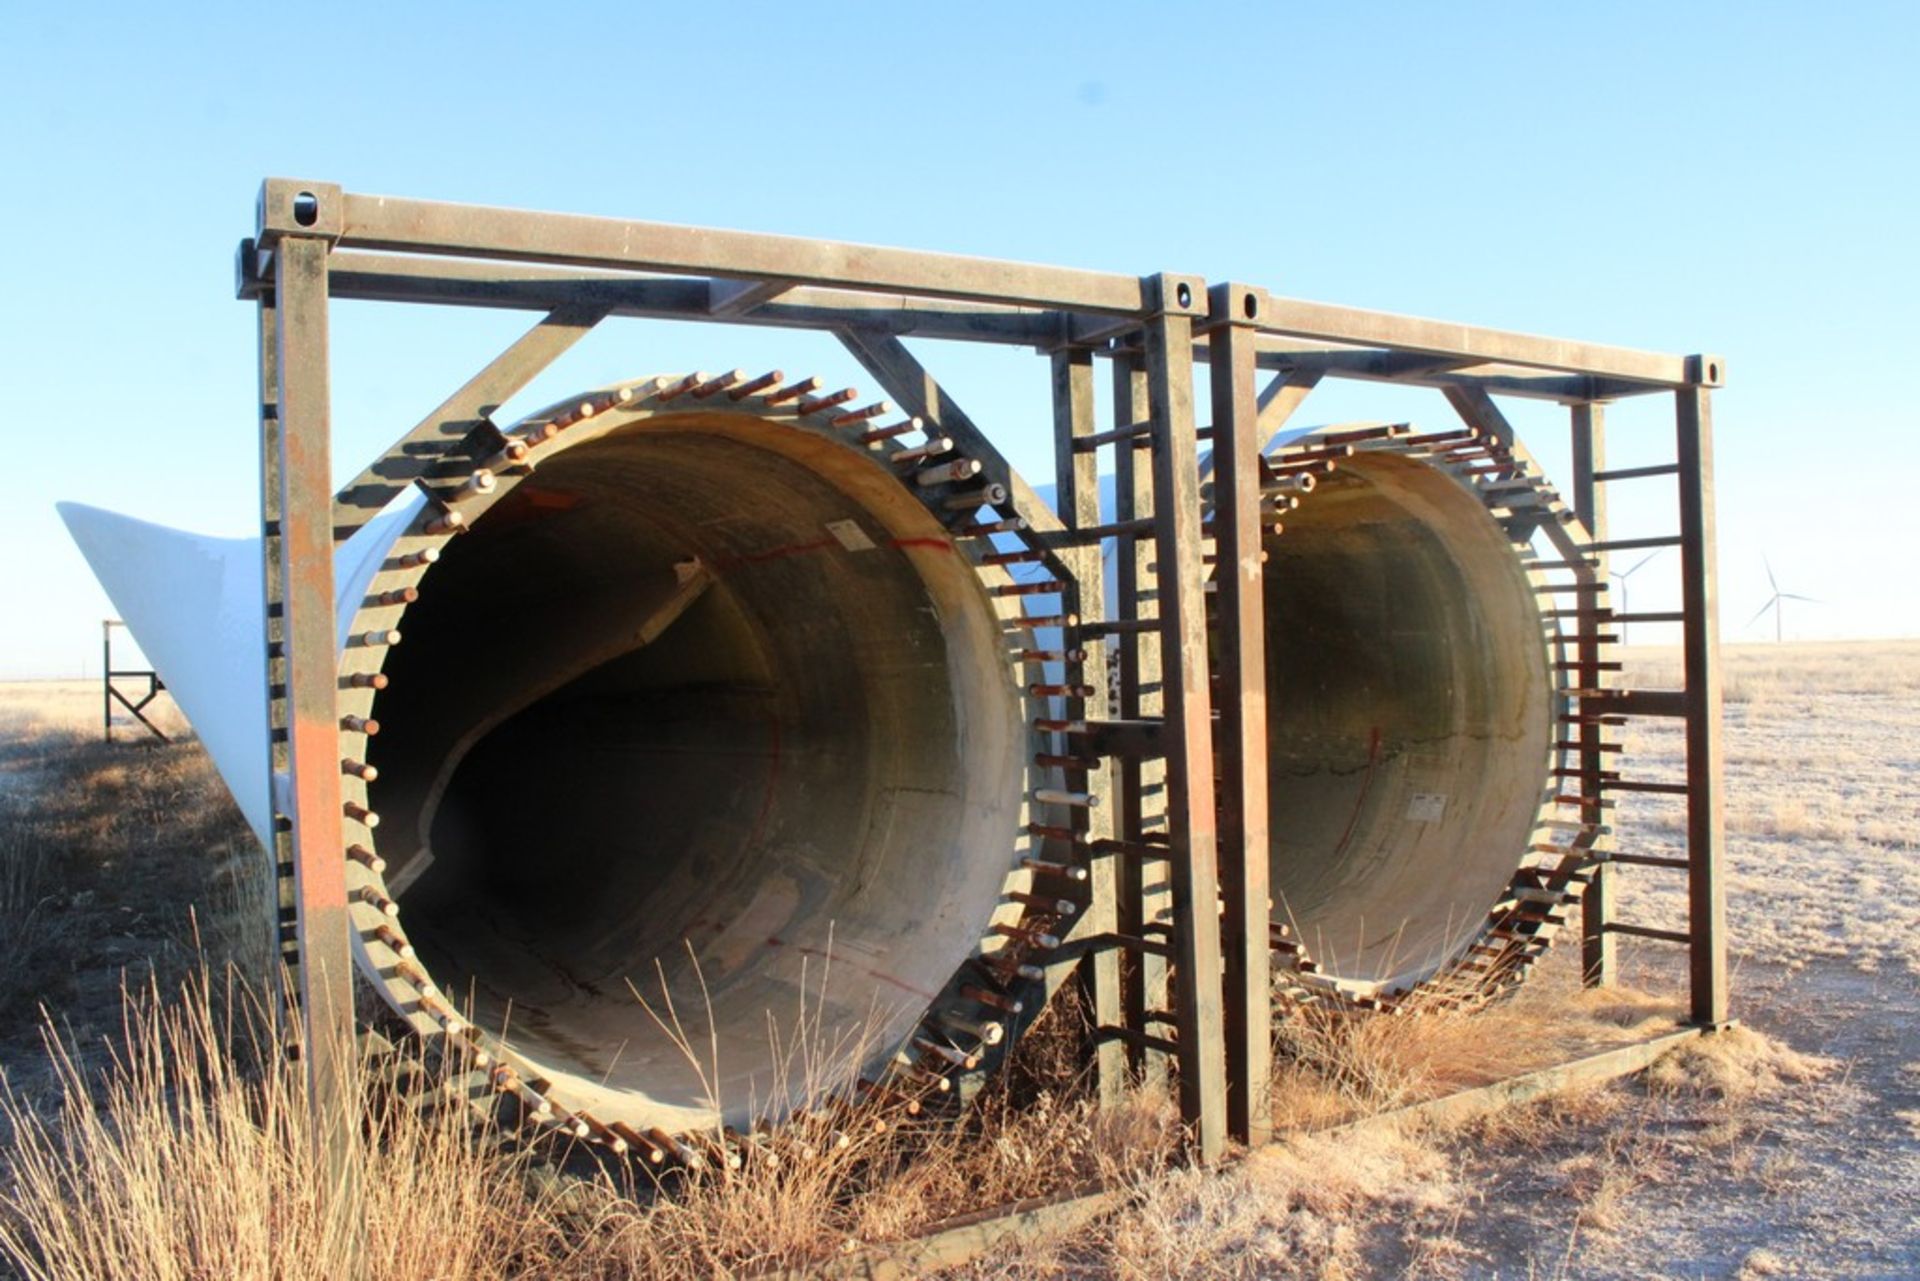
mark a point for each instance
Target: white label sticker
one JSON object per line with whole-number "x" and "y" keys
{"x": 1426, "y": 807}
{"x": 851, "y": 536}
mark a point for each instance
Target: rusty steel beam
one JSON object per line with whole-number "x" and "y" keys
{"x": 1282, "y": 396}
{"x": 1706, "y": 754}
{"x": 364, "y": 276}
{"x": 297, "y": 430}
{"x": 1077, "y": 485}
{"x": 919, "y": 393}
{"x": 1297, "y": 318}
{"x": 1142, "y": 894}
{"x": 479, "y": 231}
{"x": 1598, "y": 955}
{"x": 1234, "y": 311}
{"x": 1192, "y": 823}
{"x": 414, "y": 456}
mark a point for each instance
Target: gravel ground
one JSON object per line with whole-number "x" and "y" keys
{"x": 1811, "y": 1178}
{"x": 1817, "y": 1178}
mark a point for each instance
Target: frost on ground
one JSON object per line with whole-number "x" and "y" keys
{"x": 1823, "y": 804}
{"x": 1736, "y": 1157}
{"x": 1789, "y": 1146}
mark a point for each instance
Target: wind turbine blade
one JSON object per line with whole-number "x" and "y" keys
{"x": 1811, "y": 600}
{"x": 1762, "y": 612}
{"x": 196, "y": 605}
{"x": 1770, "y": 582}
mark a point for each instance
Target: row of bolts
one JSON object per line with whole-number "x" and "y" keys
{"x": 656, "y": 1145}
{"x": 1284, "y": 481}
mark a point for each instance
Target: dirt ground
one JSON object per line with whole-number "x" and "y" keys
{"x": 1793, "y": 1154}
{"x": 1814, "y": 1177}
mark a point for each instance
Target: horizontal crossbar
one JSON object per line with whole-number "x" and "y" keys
{"x": 1643, "y": 932}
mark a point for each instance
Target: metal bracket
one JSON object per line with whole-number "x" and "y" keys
{"x": 287, "y": 207}
{"x": 1169, "y": 294}
{"x": 1235, "y": 304}
{"x": 1706, "y": 371}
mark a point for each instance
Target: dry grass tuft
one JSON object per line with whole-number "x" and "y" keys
{"x": 92, "y": 837}
{"x": 189, "y": 1157}
{"x": 1295, "y": 1209}
{"x": 1736, "y": 1064}
{"x": 1333, "y": 1067}
{"x": 1761, "y": 1263}
{"x": 829, "y": 1186}
{"x": 1823, "y": 802}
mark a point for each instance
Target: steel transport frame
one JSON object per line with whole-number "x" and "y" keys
{"x": 1153, "y": 764}
{"x": 111, "y": 693}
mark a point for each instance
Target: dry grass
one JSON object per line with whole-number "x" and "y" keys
{"x": 1293, "y": 1209}
{"x": 1822, "y": 802}
{"x": 187, "y": 1157}
{"x": 1333, "y": 1067}
{"x": 1736, "y": 1066}
{"x": 161, "y": 1139}
{"x": 1393, "y": 1196}
{"x": 180, "y": 1150}
{"x": 180, "y": 1153}
{"x": 105, "y": 847}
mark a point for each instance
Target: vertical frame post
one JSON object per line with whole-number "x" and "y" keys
{"x": 1142, "y": 782}
{"x": 1706, "y": 825}
{"x": 1241, "y": 654}
{"x": 1598, "y": 949}
{"x": 1191, "y": 821}
{"x": 1078, "y": 485}
{"x": 297, "y": 504}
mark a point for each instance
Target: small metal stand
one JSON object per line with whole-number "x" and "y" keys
{"x": 1174, "y": 946}
{"x": 111, "y": 693}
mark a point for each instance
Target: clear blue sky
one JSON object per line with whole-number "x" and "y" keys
{"x": 1739, "y": 179}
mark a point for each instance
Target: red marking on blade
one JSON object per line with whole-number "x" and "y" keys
{"x": 902, "y": 985}
{"x": 528, "y": 502}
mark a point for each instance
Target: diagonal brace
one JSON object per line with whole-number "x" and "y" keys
{"x": 905, "y": 379}
{"x": 1281, "y": 396}
{"x": 414, "y": 456}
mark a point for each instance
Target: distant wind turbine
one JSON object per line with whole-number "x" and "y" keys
{"x": 1622, "y": 578}
{"x": 1773, "y": 602}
